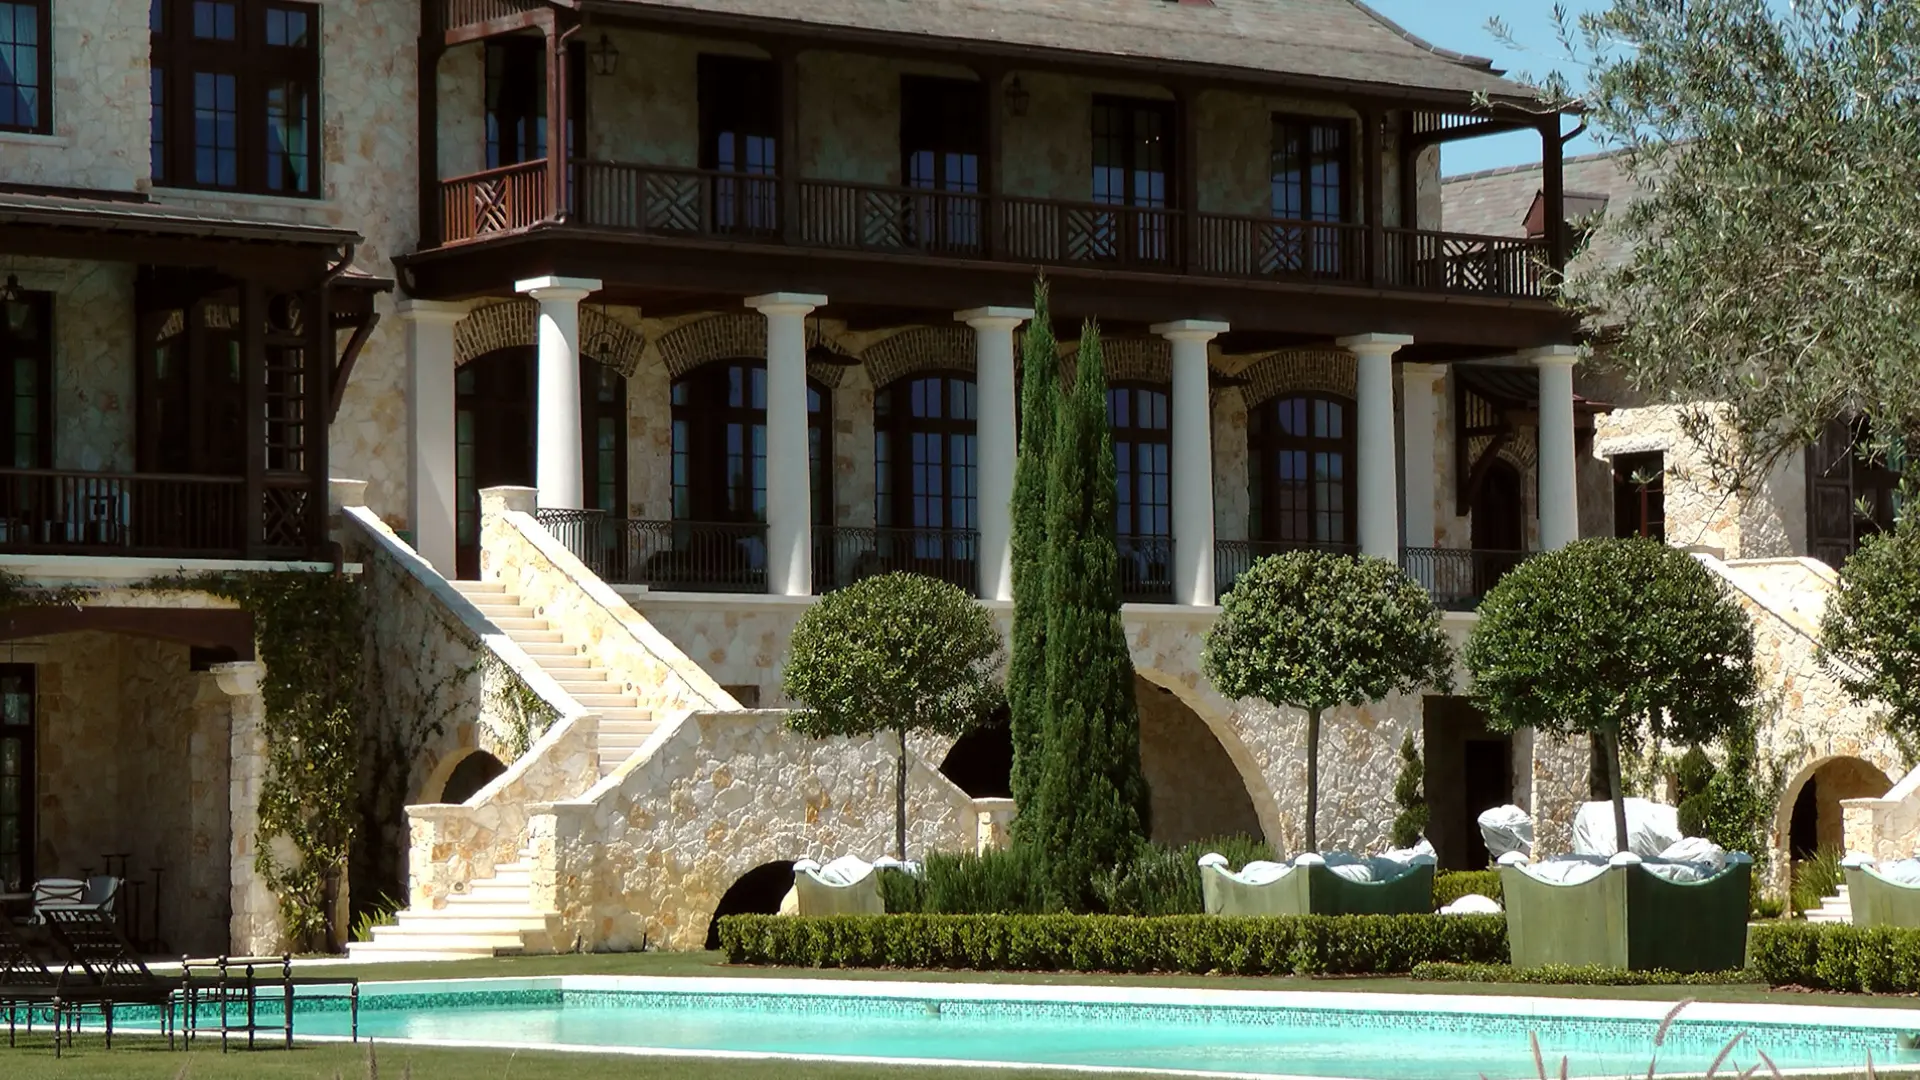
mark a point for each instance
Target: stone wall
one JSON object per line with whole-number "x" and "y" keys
{"x": 1768, "y": 522}
{"x": 647, "y": 857}
{"x": 1196, "y": 793}
{"x": 100, "y": 100}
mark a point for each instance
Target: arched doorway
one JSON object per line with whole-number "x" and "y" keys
{"x": 980, "y": 762}
{"x": 496, "y": 428}
{"x": 757, "y": 892}
{"x": 1196, "y": 791}
{"x": 1811, "y": 810}
{"x": 474, "y": 772}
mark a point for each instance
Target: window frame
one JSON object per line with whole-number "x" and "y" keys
{"x": 41, "y": 356}
{"x": 895, "y": 496}
{"x": 1266, "y": 438}
{"x": 1632, "y": 501}
{"x": 28, "y": 795}
{"x": 1304, "y": 124}
{"x": 1133, "y": 435}
{"x": 706, "y": 414}
{"x": 177, "y": 56}
{"x": 43, "y": 71}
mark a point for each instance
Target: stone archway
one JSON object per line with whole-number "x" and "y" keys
{"x": 1201, "y": 777}
{"x": 756, "y": 892}
{"x": 1808, "y": 816}
{"x": 471, "y": 773}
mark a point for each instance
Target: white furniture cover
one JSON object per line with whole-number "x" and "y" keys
{"x": 1506, "y": 828}
{"x": 845, "y": 886}
{"x": 1651, "y": 828}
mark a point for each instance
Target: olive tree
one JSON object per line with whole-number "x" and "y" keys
{"x": 1623, "y": 640}
{"x": 1314, "y": 631}
{"x": 900, "y": 653}
{"x": 1870, "y": 635}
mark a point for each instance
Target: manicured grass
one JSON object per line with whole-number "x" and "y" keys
{"x": 711, "y": 964}
{"x": 143, "y": 1059}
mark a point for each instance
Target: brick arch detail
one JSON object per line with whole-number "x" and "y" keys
{"x": 514, "y": 323}
{"x": 920, "y": 348}
{"x": 736, "y": 336}
{"x": 1329, "y": 371}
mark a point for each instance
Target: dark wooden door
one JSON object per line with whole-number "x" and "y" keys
{"x": 1830, "y": 465}
{"x": 1499, "y": 525}
{"x": 494, "y": 403}
{"x": 17, "y": 833}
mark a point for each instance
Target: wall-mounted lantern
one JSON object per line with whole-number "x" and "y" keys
{"x": 1018, "y": 98}
{"x": 604, "y": 57}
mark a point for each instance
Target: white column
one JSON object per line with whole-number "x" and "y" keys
{"x": 1192, "y": 482}
{"x": 789, "y": 480}
{"x": 1419, "y": 405}
{"x": 1378, "y": 468}
{"x": 1559, "y": 505}
{"x": 432, "y": 479}
{"x": 559, "y": 459}
{"x": 997, "y": 438}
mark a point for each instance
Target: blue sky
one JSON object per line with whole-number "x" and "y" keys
{"x": 1461, "y": 25}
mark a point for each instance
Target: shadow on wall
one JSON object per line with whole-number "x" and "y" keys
{"x": 1816, "y": 822}
{"x": 980, "y": 762}
{"x": 756, "y": 892}
{"x": 1196, "y": 791}
{"x": 474, "y": 772}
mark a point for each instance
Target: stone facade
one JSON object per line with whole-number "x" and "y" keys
{"x": 1769, "y": 522}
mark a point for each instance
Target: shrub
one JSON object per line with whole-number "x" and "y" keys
{"x": 1411, "y": 821}
{"x": 1870, "y": 632}
{"x": 1814, "y": 879}
{"x": 1576, "y": 975}
{"x": 1191, "y": 944}
{"x": 1166, "y": 881}
{"x": 992, "y": 882}
{"x": 902, "y": 893}
{"x": 1836, "y": 956}
{"x": 1454, "y": 884}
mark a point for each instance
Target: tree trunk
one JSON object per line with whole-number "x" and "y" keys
{"x": 1612, "y": 742}
{"x": 1313, "y": 778}
{"x": 900, "y": 801}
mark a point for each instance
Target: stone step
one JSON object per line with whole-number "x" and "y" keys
{"x": 523, "y": 638}
{"x": 513, "y": 625}
{"x": 605, "y": 701}
{"x": 576, "y": 666}
{"x": 505, "y": 877}
{"x": 442, "y": 940}
{"x": 624, "y": 723}
{"x": 625, "y": 716}
{"x": 496, "y": 612}
{"x": 389, "y": 953}
{"x": 631, "y": 739}
{"x": 577, "y": 687}
{"x": 448, "y": 921}
{"x": 547, "y": 652}
{"x": 480, "y": 588}
{"x": 485, "y": 906}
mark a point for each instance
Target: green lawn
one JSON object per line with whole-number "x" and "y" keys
{"x": 668, "y": 964}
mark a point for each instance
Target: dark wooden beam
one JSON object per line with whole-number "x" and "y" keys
{"x": 316, "y": 377}
{"x": 505, "y": 24}
{"x": 1468, "y": 131}
{"x": 1187, "y": 99}
{"x": 206, "y": 628}
{"x": 1374, "y": 181}
{"x": 349, "y": 355}
{"x": 1553, "y": 189}
{"x": 558, "y": 32}
{"x": 993, "y": 79}
{"x": 787, "y": 151}
{"x": 427, "y": 88}
{"x": 253, "y": 373}
{"x": 280, "y": 265}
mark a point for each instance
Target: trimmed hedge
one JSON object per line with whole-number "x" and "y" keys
{"x": 1451, "y": 885}
{"x": 1581, "y": 975}
{"x": 1189, "y": 944}
{"x": 1882, "y": 960}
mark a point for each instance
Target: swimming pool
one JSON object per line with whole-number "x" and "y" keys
{"x": 1358, "y": 1036}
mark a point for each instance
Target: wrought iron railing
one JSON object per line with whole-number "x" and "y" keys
{"x": 1231, "y": 558}
{"x": 845, "y": 554}
{"x": 1145, "y": 569}
{"x": 681, "y": 556}
{"x": 1458, "y": 577}
{"x": 51, "y": 511}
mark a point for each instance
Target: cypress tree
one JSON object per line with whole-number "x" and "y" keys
{"x": 1089, "y": 809}
{"x": 1026, "y": 668}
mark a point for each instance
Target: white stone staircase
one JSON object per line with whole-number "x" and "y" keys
{"x": 495, "y": 915}
{"x": 1833, "y": 909}
{"x": 623, "y": 724}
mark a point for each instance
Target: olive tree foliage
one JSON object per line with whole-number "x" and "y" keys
{"x": 1625, "y": 640}
{"x": 900, "y": 653}
{"x": 1870, "y": 634}
{"x": 1771, "y": 285}
{"x": 1314, "y": 631}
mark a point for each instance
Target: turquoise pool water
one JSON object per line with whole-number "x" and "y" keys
{"x": 1315, "y": 1042}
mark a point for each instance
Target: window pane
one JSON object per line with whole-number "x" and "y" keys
{"x": 287, "y": 119}
{"x": 213, "y": 20}
{"x": 20, "y": 57}
{"x": 216, "y": 123}
{"x": 287, "y": 28}
{"x": 157, "y": 124}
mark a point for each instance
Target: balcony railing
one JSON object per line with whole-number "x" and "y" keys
{"x": 681, "y": 556}
{"x": 829, "y": 214}
{"x": 846, "y": 554}
{"x": 55, "y": 512}
{"x": 1145, "y": 569}
{"x": 1457, "y": 577}
{"x": 1231, "y": 558}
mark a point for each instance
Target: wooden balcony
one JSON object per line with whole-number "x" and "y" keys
{"x": 670, "y": 202}
{"x": 59, "y": 512}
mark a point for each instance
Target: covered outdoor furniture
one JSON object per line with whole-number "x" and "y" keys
{"x": 845, "y": 886}
{"x": 1886, "y": 894}
{"x": 1312, "y": 885}
{"x": 1622, "y": 914}
{"x": 1651, "y": 828}
{"x": 114, "y": 974}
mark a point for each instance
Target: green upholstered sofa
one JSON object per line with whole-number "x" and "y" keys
{"x": 1629, "y": 917}
{"x": 1876, "y": 901}
{"x": 1314, "y": 889}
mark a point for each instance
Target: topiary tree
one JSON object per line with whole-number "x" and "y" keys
{"x": 1027, "y": 671}
{"x": 899, "y": 653}
{"x": 1089, "y": 809}
{"x": 1314, "y": 630}
{"x": 1411, "y": 823}
{"x": 1625, "y": 640}
{"x": 1870, "y": 634}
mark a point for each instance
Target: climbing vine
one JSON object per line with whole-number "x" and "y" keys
{"x": 526, "y": 714}
{"x": 308, "y": 626}
{"x": 15, "y": 593}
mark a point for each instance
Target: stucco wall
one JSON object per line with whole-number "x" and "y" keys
{"x": 93, "y": 372}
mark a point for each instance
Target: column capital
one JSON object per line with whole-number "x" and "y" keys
{"x": 1190, "y": 329}
{"x": 786, "y": 303}
{"x": 1375, "y": 344}
{"x": 1553, "y": 356}
{"x": 994, "y": 318}
{"x": 239, "y": 678}
{"x": 557, "y": 288}
{"x": 439, "y": 312}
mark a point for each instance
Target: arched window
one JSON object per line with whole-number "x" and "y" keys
{"x": 926, "y": 454}
{"x": 720, "y": 444}
{"x": 1143, "y": 474}
{"x": 1300, "y": 461}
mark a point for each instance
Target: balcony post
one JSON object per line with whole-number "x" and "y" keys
{"x": 1375, "y": 173}
{"x": 993, "y": 329}
{"x": 994, "y": 80}
{"x": 1378, "y": 467}
{"x": 558, "y": 34}
{"x": 559, "y": 466}
{"x": 789, "y": 475}
{"x": 1553, "y": 191}
{"x": 1419, "y": 414}
{"x": 253, "y": 372}
{"x": 1187, "y": 254}
{"x": 1559, "y": 494}
{"x": 432, "y": 476}
{"x": 1192, "y": 484}
{"x": 787, "y": 149}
